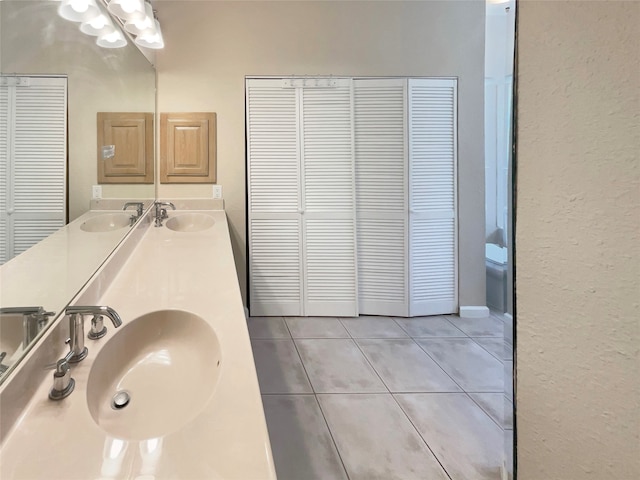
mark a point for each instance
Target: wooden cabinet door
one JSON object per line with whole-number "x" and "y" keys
{"x": 187, "y": 148}
{"x": 132, "y": 136}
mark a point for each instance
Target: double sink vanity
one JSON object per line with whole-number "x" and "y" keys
{"x": 148, "y": 372}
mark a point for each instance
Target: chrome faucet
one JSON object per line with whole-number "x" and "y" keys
{"x": 139, "y": 206}
{"x": 98, "y": 330}
{"x": 33, "y": 320}
{"x": 161, "y": 213}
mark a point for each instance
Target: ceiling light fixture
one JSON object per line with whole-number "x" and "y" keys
{"x": 100, "y": 25}
{"x": 142, "y": 25}
{"x": 151, "y": 38}
{"x": 78, "y": 10}
{"x": 105, "y": 19}
{"x": 128, "y": 10}
{"x": 114, "y": 39}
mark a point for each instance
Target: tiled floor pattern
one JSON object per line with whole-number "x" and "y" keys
{"x": 384, "y": 398}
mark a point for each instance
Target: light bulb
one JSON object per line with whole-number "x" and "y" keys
{"x": 79, "y": 6}
{"x": 99, "y": 22}
{"x": 113, "y": 39}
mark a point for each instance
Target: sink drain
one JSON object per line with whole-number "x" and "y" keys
{"x": 120, "y": 400}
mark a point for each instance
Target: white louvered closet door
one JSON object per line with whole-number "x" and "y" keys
{"x": 432, "y": 196}
{"x": 328, "y": 200}
{"x": 273, "y": 172}
{"x": 33, "y": 161}
{"x": 380, "y": 114}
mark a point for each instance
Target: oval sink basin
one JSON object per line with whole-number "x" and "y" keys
{"x": 106, "y": 222}
{"x": 155, "y": 375}
{"x": 190, "y": 222}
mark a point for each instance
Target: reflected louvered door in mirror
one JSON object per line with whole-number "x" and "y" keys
{"x": 433, "y": 268}
{"x": 33, "y": 160}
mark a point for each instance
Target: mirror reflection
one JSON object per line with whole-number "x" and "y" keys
{"x": 56, "y": 228}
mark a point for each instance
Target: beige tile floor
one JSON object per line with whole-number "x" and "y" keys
{"x": 385, "y": 398}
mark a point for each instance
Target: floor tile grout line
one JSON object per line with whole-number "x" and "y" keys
{"x": 346, "y": 472}
{"x": 401, "y": 327}
{"x": 486, "y": 349}
{"x": 485, "y": 412}
{"x": 420, "y": 435}
{"x": 454, "y": 325}
{"x": 344, "y": 326}
{"x": 295, "y": 345}
{"x": 438, "y": 363}
{"x": 371, "y": 365}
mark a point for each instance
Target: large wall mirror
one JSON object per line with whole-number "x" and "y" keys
{"x": 36, "y": 45}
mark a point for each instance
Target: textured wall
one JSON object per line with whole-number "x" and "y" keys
{"x": 578, "y": 241}
{"x": 212, "y": 46}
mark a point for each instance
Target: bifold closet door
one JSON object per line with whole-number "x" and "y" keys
{"x": 381, "y": 151}
{"x": 301, "y": 198}
{"x": 328, "y": 200}
{"x": 275, "y": 224}
{"x": 33, "y": 161}
{"x": 433, "y": 270}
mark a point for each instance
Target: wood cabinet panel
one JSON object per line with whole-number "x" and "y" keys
{"x": 187, "y": 148}
{"x": 132, "y": 136}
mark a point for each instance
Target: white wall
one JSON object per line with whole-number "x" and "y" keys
{"x": 578, "y": 241}
{"x": 212, "y": 46}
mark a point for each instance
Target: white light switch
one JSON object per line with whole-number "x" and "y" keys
{"x": 217, "y": 191}
{"x": 96, "y": 192}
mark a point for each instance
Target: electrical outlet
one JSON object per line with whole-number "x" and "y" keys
{"x": 96, "y": 192}
{"x": 217, "y": 191}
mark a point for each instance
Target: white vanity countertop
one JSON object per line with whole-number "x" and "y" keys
{"x": 228, "y": 439}
{"x": 58, "y": 266}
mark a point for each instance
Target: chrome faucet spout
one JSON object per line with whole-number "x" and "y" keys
{"x": 98, "y": 330}
{"x": 161, "y": 213}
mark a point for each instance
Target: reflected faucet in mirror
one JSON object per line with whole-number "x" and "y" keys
{"x": 139, "y": 206}
{"x": 34, "y": 319}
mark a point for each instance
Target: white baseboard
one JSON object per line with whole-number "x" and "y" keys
{"x": 246, "y": 312}
{"x": 474, "y": 312}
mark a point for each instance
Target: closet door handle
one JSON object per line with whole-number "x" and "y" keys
{"x": 10, "y": 211}
{"x": 301, "y": 211}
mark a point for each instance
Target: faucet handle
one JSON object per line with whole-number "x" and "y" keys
{"x": 98, "y": 329}
{"x": 63, "y": 384}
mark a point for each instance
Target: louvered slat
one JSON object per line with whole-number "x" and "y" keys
{"x": 275, "y": 267}
{"x": 4, "y": 148}
{"x": 39, "y": 152}
{"x": 381, "y": 192}
{"x": 3, "y": 242}
{"x": 329, "y": 196}
{"x": 29, "y": 232}
{"x": 273, "y": 170}
{"x": 274, "y": 174}
{"x": 33, "y": 159}
{"x": 330, "y": 267}
{"x": 432, "y": 184}
{"x": 327, "y": 152}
